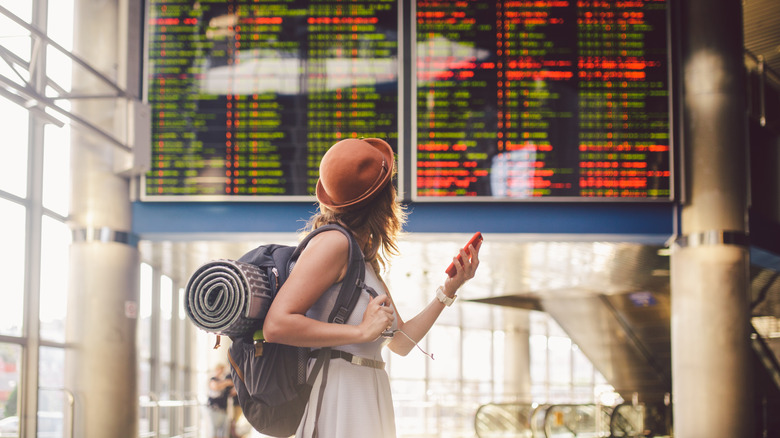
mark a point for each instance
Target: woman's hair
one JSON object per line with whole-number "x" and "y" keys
{"x": 376, "y": 224}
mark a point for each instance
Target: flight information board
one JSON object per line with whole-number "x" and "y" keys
{"x": 247, "y": 95}
{"x": 530, "y": 99}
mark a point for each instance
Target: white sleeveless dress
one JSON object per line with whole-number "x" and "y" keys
{"x": 357, "y": 402}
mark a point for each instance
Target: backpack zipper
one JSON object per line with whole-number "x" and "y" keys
{"x": 276, "y": 279}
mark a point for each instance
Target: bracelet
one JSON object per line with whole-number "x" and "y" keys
{"x": 447, "y": 301}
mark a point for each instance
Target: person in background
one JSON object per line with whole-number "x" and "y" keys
{"x": 239, "y": 427}
{"x": 352, "y": 398}
{"x": 220, "y": 390}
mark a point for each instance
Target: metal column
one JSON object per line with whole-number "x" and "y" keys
{"x": 710, "y": 262}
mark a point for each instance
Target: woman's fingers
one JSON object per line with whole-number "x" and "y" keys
{"x": 470, "y": 263}
{"x": 379, "y": 316}
{"x": 467, "y": 267}
{"x": 380, "y": 300}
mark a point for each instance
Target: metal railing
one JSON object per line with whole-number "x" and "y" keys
{"x": 178, "y": 410}
{"x": 527, "y": 420}
{"x": 71, "y": 410}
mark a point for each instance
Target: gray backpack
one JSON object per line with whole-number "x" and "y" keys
{"x": 270, "y": 379}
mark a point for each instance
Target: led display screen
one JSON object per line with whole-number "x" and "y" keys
{"x": 542, "y": 99}
{"x": 506, "y": 100}
{"x": 247, "y": 95}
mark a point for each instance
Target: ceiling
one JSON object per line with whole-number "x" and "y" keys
{"x": 762, "y": 31}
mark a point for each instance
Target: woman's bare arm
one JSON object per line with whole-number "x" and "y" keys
{"x": 322, "y": 263}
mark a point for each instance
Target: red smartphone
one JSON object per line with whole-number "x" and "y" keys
{"x": 451, "y": 271}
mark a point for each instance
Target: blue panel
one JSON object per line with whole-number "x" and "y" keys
{"x": 218, "y": 217}
{"x": 527, "y": 218}
{"x": 546, "y": 218}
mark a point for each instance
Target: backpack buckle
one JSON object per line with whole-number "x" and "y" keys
{"x": 340, "y": 317}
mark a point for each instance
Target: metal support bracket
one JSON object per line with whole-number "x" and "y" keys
{"x": 712, "y": 237}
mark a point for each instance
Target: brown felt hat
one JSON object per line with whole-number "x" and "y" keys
{"x": 353, "y": 171}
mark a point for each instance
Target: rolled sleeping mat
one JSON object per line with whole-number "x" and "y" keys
{"x": 228, "y": 298}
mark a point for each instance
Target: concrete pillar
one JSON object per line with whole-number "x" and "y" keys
{"x": 517, "y": 355}
{"x": 101, "y": 362}
{"x": 710, "y": 262}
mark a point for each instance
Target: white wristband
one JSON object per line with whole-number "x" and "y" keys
{"x": 447, "y": 301}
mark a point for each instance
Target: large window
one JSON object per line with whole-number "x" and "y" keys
{"x": 34, "y": 203}
{"x": 12, "y": 236}
{"x": 169, "y": 399}
{"x": 13, "y": 166}
{"x": 10, "y": 375}
{"x": 440, "y": 396}
{"x": 560, "y": 372}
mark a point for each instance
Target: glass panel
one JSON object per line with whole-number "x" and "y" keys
{"x": 407, "y": 283}
{"x": 538, "y": 322}
{"x": 478, "y": 392}
{"x": 10, "y": 366}
{"x": 165, "y": 394}
{"x": 477, "y": 348}
{"x": 55, "y": 258}
{"x": 203, "y": 352}
{"x": 145, "y": 322}
{"x": 166, "y": 312}
{"x": 60, "y": 24}
{"x": 56, "y": 169}
{"x": 539, "y": 393}
{"x": 560, "y": 393}
{"x": 183, "y": 325}
{"x": 478, "y": 315}
{"x": 538, "y": 352}
{"x": 60, "y": 70}
{"x": 17, "y": 40}
{"x": 13, "y": 166}
{"x": 410, "y": 409}
{"x": 582, "y": 394}
{"x": 553, "y": 328}
{"x": 22, "y": 10}
{"x": 12, "y": 240}
{"x": 410, "y": 366}
{"x": 582, "y": 372}
{"x": 52, "y": 374}
{"x": 499, "y": 376}
{"x": 560, "y": 359}
{"x": 53, "y": 407}
{"x": 446, "y": 395}
{"x": 144, "y": 378}
{"x": 181, "y": 311}
{"x": 444, "y": 344}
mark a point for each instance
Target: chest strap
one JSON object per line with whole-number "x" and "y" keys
{"x": 351, "y": 358}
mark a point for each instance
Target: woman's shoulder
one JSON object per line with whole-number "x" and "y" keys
{"x": 328, "y": 248}
{"x": 331, "y": 243}
{"x": 331, "y": 238}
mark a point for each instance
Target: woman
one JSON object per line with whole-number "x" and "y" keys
{"x": 354, "y": 190}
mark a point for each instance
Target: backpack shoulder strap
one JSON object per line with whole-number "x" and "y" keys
{"x": 353, "y": 280}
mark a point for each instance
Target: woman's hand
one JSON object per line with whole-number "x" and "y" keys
{"x": 418, "y": 326}
{"x": 465, "y": 271}
{"x": 377, "y": 318}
